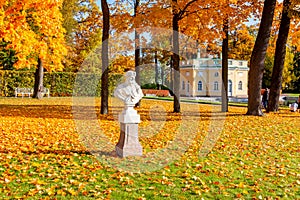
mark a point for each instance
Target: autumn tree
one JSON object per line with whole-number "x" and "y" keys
{"x": 137, "y": 49}
{"x": 288, "y": 74}
{"x": 25, "y": 27}
{"x": 46, "y": 35}
{"x": 104, "y": 56}
{"x": 258, "y": 58}
{"x": 126, "y": 17}
{"x": 241, "y": 42}
{"x": 178, "y": 12}
{"x": 227, "y": 16}
{"x": 82, "y": 20}
{"x": 279, "y": 59}
{"x": 150, "y": 13}
{"x": 202, "y": 20}
{"x": 225, "y": 65}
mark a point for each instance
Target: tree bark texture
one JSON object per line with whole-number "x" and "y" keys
{"x": 137, "y": 63}
{"x": 280, "y": 53}
{"x": 105, "y": 61}
{"x": 137, "y": 52}
{"x": 225, "y": 68}
{"x": 175, "y": 58}
{"x": 38, "y": 80}
{"x": 258, "y": 58}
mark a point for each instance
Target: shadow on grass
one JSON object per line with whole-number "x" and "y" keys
{"x": 57, "y": 152}
{"x": 109, "y": 153}
{"x": 91, "y": 112}
{"x": 37, "y": 111}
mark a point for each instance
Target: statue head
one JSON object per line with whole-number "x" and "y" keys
{"x": 130, "y": 77}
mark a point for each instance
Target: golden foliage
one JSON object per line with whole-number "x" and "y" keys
{"x": 33, "y": 28}
{"x": 122, "y": 64}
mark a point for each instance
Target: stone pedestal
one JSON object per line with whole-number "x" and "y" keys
{"x": 128, "y": 144}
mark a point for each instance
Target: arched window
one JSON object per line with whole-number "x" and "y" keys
{"x": 216, "y": 85}
{"x": 188, "y": 86}
{"x": 200, "y": 86}
{"x": 183, "y": 85}
{"x": 240, "y": 85}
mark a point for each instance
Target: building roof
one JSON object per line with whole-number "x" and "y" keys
{"x": 206, "y": 63}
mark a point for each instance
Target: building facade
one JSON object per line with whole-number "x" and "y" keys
{"x": 203, "y": 77}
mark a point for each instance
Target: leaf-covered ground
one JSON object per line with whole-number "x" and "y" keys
{"x": 44, "y": 156}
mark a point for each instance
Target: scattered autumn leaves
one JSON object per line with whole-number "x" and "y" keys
{"x": 43, "y": 156}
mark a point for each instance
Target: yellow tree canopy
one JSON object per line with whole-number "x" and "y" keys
{"x": 33, "y": 28}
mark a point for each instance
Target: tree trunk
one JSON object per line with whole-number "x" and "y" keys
{"x": 162, "y": 76}
{"x": 137, "y": 63}
{"x": 225, "y": 68}
{"x": 279, "y": 58}
{"x": 105, "y": 61}
{"x": 137, "y": 52}
{"x": 156, "y": 70}
{"x": 258, "y": 58}
{"x": 171, "y": 76}
{"x": 38, "y": 81}
{"x": 175, "y": 58}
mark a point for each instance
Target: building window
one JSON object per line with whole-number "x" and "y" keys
{"x": 230, "y": 62}
{"x": 241, "y": 63}
{"x": 216, "y": 74}
{"x": 200, "y": 74}
{"x": 188, "y": 86}
{"x": 240, "y": 74}
{"x": 183, "y": 85}
{"x": 187, "y": 73}
{"x": 200, "y": 86}
{"x": 240, "y": 86}
{"x": 216, "y": 85}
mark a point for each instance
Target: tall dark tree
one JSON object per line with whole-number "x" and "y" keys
{"x": 137, "y": 49}
{"x": 38, "y": 80}
{"x": 258, "y": 58}
{"x": 225, "y": 68}
{"x": 105, "y": 61}
{"x": 280, "y": 53}
{"x": 175, "y": 57}
{"x": 177, "y": 15}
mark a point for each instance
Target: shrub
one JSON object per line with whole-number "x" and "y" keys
{"x": 59, "y": 83}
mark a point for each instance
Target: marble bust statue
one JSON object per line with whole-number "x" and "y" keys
{"x": 129, "y": 91}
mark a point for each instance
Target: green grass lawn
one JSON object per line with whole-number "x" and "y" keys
{"x": 43, "y": 156}
{"x": 293, "y": 94}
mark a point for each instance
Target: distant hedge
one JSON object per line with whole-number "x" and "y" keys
{"x": 59, "y": 83}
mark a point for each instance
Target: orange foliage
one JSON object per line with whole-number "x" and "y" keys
{"x": 33, "y": 28}
{"x": 201, "y": 20}
{"x": 122, "y": 64}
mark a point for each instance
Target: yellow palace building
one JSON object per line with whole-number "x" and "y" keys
{"x": 203, "y": 77}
